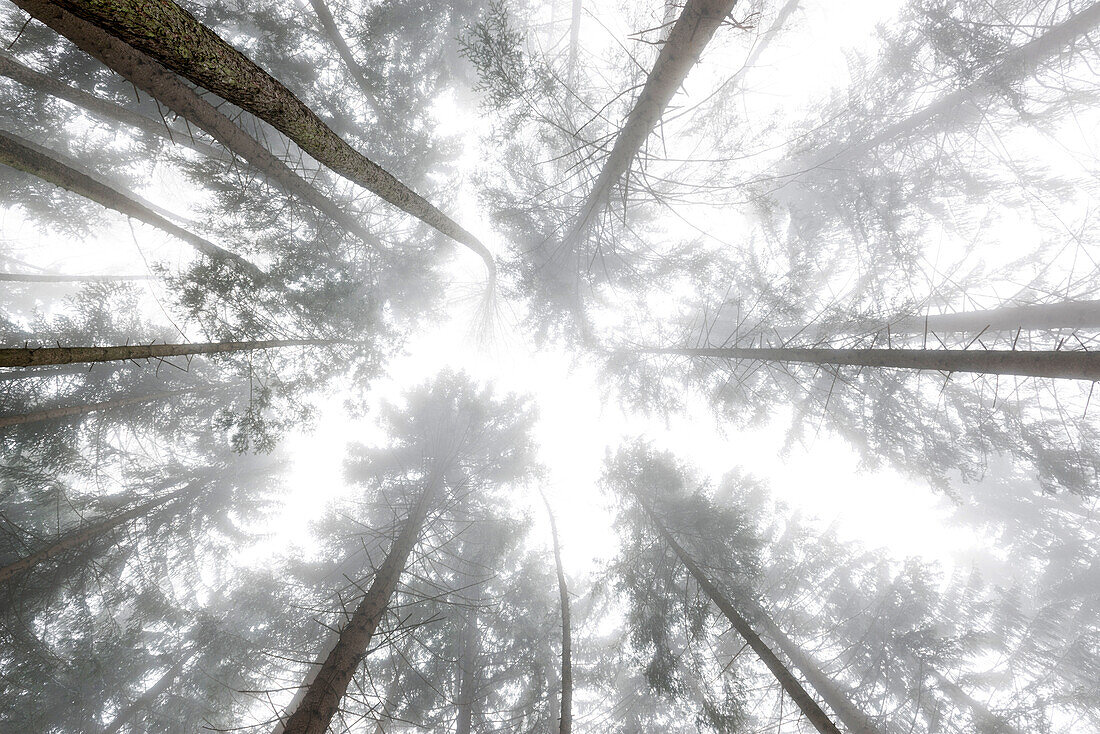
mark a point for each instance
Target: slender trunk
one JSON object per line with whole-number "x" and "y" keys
{"x": 467, "y": 687}
{"x": 81, "y": 536}
{"x": 1067, "y": 365}
{"x": 1038, "y": 317}
{"x": 838, "y": 700}
{"x": 777, "y": 25}
{"x": 680, "y": 52}
{"x": 25, "y": 156}
{"x": 34, "y": 357}
{"x": 566, "y": 719}
{"x": 332, "y": 33}
{"x": 1015, "y": 64}
{"x": 149, "y": 76}
{"x": 321, "y": 700}
{"x": 982, "y": 716}
{"x": 39, "y": 278}
{"x": 574, "y": 40}
{"x": 148, "y": 697}
{"x": 102, "y": 108}
{"x": 176, "y": 39}
{"x": 790, "y": 684}
{"x": 54, "y": 413}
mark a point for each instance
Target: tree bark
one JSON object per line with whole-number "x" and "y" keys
{"x": 565, "y": 725}
{"x": 176, "y": 39}
{"x": 322, "y": 697}
{"x": 41, "y": 278}
{"x": 54, "y": 413}
{"x": 680, "y": 52}
{"x": 102, "y": 108}
{"x": 148, "y": 697}
{"x": 80, "y": 536}
{"x": 854, "y": 720}
{"x": 1077, "y": 365}
{"x": 789, "y": 683}
{"x": 34, "y": 357}
{"x": 25, "y": 156}
{"x": 148, "y": 75}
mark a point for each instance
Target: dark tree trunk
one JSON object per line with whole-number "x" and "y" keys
{"x": 26, "y": 156}
{"x": 176, "y": 39}
{"x": 55, "y": 413}
{"x": 102, "y": 108}
{"x": 790, "y": 684}
{"x": 33, "y": 357}
{"x": 680, "y": 52}
{"x": 854, "y": 720}
{"x": 322, "y": 698}
{"x": 1067, "y": 365}
{"x": 148, "y": 75}
{"x": 467, "y": 687}
{"x": 80, "y": 536}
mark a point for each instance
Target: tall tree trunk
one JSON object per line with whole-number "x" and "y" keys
{"x": 33, "y": 357}
{"x": 467, "y": 687}
{"x": 838, "y": 700}
{"x": 149, "y": 76}
{"x": 789, "y": 683}
{"x": 574, "y": 40}
{"x": 566, "y": 720}
{"x": 81, "y": 536}
{"x": 1067, "y": 365}
{"x": 54, "y": 413}
{"x": 680, "y": 52}
{"x": 323, "y": 694}
{"x": 1014, "y": 65}
{"x": 1032, "y": 317}
{"x": 180, "y": 42}
{"x": 990, "y": 722}
{"x": 102, "y": 108}
{"x": 145, "y": 700}
{"x": 42, "y": 278}
{"x": 332, "y": 33}
{"x": 25, "y": 156}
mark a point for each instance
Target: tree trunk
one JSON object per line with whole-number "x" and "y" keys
{"x": 102, "y": 108}
{"x": 40, "y": 278}
{"x": 1014, "y": 65}
{"x": 566, "y": 719}
{"x": 25, "y": 156}
{"x": 180, "y": 42}
{"x": 790, "y": 684}
{"x": 316, "y": 708}
{"x": 34, "y": 357}
{"x": 80, "y": 536}
{"x": 1078, "y": 365}
{"x": 838, "y": 700}
{"x": 980, "y": 713}
{"x": 574, "y": 40}
{"x": 152, "y": 78}
{"x": 148, "y": 697}
{"x": 54, "y": 413}
{"x": 467, "y": 687}
{"x": 680, "y": 52}
{"x": 332, "y": 33}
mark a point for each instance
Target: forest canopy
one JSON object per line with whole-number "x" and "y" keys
{"x": 516, "y": 366}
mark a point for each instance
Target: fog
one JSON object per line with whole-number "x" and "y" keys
{"x": 506, "y": 367}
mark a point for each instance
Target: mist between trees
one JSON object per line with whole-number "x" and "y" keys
{"x": 778, "y": 251}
